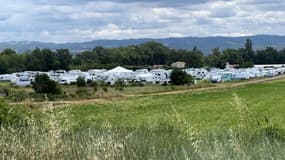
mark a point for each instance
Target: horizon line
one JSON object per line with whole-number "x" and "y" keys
{"x": 217, "y": 36}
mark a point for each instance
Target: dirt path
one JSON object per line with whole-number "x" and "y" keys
{"x": 105, "y": 100}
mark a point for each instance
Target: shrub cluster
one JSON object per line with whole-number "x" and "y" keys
{"x": 80, "y": 81}
{"x": 44, "y": 85}
{"x": 179, "y": 77}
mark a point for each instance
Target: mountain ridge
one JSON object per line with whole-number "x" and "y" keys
{"x": 206, "y": 44}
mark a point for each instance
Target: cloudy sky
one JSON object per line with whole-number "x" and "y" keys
{"x": 83, "y": 20}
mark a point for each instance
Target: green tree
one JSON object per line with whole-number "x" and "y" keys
{"x": 80, "y": 81}
{"x": 35, "y": 61}
{"x": 195, "y": 58}
{"x": 249, "y": 52}
{"x": 232, "y": 56}
{"x": 43, "y": 84}
{"x": 179, "y": 77}
{"x": 8, "y": 52}
{"x": 50, "y": 60}
{"x": 3, "y": 66}
{"x": 64, "y": 58}
{"x": 13, "y": 62}
{"x": 268, "y": 56}
{"x": 155, "y": 53}
{"x": 216, "y": 59}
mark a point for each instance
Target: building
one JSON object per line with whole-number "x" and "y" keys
{"x": 178, "y": 64}
{"x": 157, "y": 66}
{"x": 228, "y": 65}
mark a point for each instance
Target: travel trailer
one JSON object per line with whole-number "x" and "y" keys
{"x": 5, "y": 77}
{"x": 161, "y": 76}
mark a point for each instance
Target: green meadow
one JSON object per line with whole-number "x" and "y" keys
{"x": 204, "y": 110}
{"x": 246, "y": 122}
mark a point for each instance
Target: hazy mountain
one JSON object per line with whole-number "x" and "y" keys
{"x": 204, "y": 43}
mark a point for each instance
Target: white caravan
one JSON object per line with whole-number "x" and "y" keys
{"x": 198, "y": 73}
{"x": 72, "y": 76}
{"x": 56, "y": 75}
{"x": 5, "y": 77}
{"x": 96, "y": 74}
{"x": 23, "y": 81}
{"x": 161, "y": 76}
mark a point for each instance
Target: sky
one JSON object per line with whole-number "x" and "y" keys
{"x": 84, "y": 20}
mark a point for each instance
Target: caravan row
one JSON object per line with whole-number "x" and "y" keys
{"x": 230, "y": 74}
{"x": 26, "y": 78}
{"x": 156, "y": 76}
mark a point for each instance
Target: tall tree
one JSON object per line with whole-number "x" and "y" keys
{"x": 216, "y": 59}
{"x": 8, "y": 52}
{"x": 248, "y": 54}
{"x": 195, "y": 58}
{"x": 35, "y": 61}
{"x": 3, "y": 66}
{"x": 64, "y": 58}
{"x": 233, "y": 56}
{"x": 50, "y": 59}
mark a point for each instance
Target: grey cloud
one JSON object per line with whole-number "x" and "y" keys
{"x": 79, "y": 20}
{"x": 223, "y": 13}
{"x": 4, "y": 17}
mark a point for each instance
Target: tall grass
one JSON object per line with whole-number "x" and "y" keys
{"x": 49, "y": 136}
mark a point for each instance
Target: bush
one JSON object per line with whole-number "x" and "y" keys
{"x": 136, "y": 84}
{"x": 164, "y": 84}
{"x": 105, "y": 88}
{"x": 4, "y": 92}
{"x": 81, "y": 82}
{"x": 18, "y": 96}
{"x": 179, "y": 77}
{"x": 95, "y": 88}
{"x": 94, "y": 84}
{"x": 43, "y": 84}
{"x": 119, "y": 85}
{"x": 12, "y": 115}
{"x": 82, "y": 92}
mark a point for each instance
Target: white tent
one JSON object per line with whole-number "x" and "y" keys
{"x": 119, "y": 70}
{"x": 118, "y": 73}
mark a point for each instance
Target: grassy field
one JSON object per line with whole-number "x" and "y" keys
{"x": 72, "y": 92}
{"x": 206, "y": 109}
{"x": 247, "y": 122}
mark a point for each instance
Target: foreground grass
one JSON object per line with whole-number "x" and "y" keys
{"x": 51, "y": 137}
{"x": 141, "y": 143}
{"x": 239, "y": 123}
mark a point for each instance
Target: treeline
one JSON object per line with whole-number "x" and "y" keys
{"x": 36, "y": 60}
{"x": 144, "y": 55}
{"x": 136, "y": 56}
{"x": 245, "y": 57}
{"x": 150, "y": 53}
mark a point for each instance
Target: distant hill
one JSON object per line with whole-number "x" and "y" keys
{"x": 206, "y": 44}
